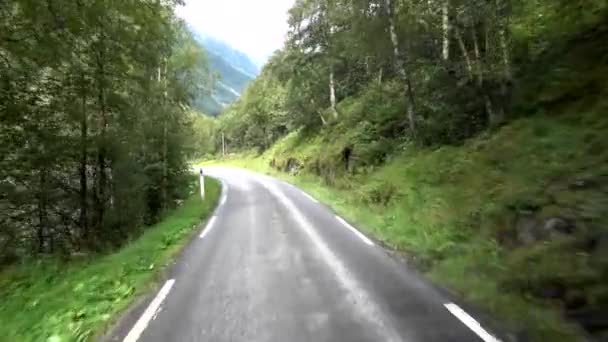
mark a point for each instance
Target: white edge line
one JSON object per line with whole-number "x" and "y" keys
{"x": 208, "y": 227}
{"x": 470, "y": 322}
{"x": 309, "y": 197}
{"x": 352, "y": 229}
{"x": 224, "y": 187}
{"x": 224, "y": 193}
{"x": 152, "y": 309}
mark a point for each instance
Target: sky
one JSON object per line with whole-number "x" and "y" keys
{"x": 255, "y": 27}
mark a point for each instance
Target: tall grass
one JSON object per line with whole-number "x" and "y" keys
{"x": 448, "y": 208}
{"x": 74, "y": 301}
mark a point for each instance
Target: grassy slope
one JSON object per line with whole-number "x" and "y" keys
{"x": 449, "y": 208}
{"x": 455, "y": 209}
{"x": 55, "y": 301}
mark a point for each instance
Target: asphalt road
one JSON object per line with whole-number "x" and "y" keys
{"x": 273, "y": 264}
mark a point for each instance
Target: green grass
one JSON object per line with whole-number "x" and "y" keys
{"x": 452, "y": 210}
{"x": 75, "y": 301}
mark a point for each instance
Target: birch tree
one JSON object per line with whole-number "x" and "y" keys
{"x": 400, "y": 65}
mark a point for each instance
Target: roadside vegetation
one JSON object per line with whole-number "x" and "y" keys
{"x": 95, "y": 128}
{"x": 96, "y": 134}
{"x": 58, "y": 300}
{"x": 521, "y": 242}
{"x": 469, "y": 135}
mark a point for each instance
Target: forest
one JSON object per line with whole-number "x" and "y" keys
{"x": 443, "y": 71}
{"x": 469, "y": 135}
{"x": 95, "y": 127}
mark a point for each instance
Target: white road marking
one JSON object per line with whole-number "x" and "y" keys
{"x": 224, "y": 187}
{"x": 365, "y": 306}
{"x": 309, "y": 197}
{"x": 354, "y": 230}
{"x": 470, "y": 322}
{"x": 208, "y": 227}
{"x": 150, "y": 312}
{"x": 224, "y": 193}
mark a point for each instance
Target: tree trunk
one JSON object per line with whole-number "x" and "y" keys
{"x": 399, "y": 65}
{"x": 323, "y": 121}
{"x": 486, "y": 33}
{"x": 332, "y": 93}
{"x": 445, "y": 13}
{"x": 465, "y": 53}
{"x": 100, "y": 193}
{"x": 503, "y": 12}
{"x": 507, "y": 78}
{"x": 42, "y": 210}
{"x": 313, "y": 105}
{"x": 165, "y": 166}
{"x": 477, "y": 54}
{"x": 83, "y": 221}
{"x": 164, "y": 184}
{"x": 493, "y": 117}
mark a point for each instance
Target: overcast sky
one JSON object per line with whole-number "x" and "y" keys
{"x": 256, "y": 27}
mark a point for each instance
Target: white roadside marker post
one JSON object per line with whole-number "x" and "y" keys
{"x": 202, "y": 183}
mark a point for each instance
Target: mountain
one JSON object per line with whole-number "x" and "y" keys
{"x": 238, "y": 59}
{"x": 234, "y": 70}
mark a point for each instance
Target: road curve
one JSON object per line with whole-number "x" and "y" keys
{"x": 273, "y": 264}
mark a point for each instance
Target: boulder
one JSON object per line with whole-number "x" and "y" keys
{"x": 599, "y": 249}
{"x": 557, "y": 226}
{"x": 292, "y": 166}
{"x": 530, "y": 228}
{"x": 527, "y": 228}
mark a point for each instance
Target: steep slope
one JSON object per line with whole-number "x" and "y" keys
{"x": 237, "y": 59}
{"x": 513, "y": 219}
{"x": 234, "y": 71}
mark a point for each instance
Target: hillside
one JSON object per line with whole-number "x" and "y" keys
{"x": 483, "y": 160}
{"x": 234, "y": 71}
{"x": 96, "y": 194}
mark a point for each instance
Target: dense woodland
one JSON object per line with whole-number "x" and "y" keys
{"x": 94, "y": 123}
{"x": 470, "y": 135}
{"x": 430, "y": 71}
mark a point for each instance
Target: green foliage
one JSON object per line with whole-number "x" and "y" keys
{"x": 48, "y": 300}
{"x": 441, "y": 140}
{"x": 205, "y": 138}
{"x": 452, "y": 210}
{"x": 94, "y": 129}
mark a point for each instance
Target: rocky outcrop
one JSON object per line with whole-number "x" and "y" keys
{"x": 531, "y": 228}
{"x": 561, "y": 247}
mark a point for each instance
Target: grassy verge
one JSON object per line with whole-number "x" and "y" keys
{"x": 455, "y": 211}
{"x": 74, "y": 301}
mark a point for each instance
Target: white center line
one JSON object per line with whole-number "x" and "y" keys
{"x": 470, "y": 322}
{"x": 143, "y": 321}
{"x": 352, "y": 229}
{"x": 208, "y": 227}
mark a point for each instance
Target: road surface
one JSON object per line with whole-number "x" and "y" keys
{"x": 273, "y": 264}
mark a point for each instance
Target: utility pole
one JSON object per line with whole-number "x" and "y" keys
{"x": 223, "y": 145}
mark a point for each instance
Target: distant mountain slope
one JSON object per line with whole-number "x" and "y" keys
{"x": 236, "y": 58}
{"x": 234, "y": 70}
